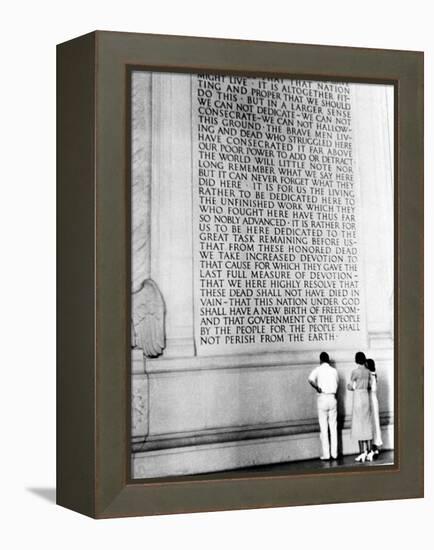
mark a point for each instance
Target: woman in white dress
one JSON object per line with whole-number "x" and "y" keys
{"x": 361, "y": 422}
{"x": 377, "y": 441}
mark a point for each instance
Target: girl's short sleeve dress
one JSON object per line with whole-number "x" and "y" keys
{"x": 361, "y": 425}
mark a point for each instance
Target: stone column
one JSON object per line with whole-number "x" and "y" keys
{"x": 374, "y": 171}
{"x": 171, "y": 226}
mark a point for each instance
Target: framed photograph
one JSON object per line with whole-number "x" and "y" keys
{"x": 240, "y": 274}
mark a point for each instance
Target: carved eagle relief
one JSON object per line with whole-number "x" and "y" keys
{"x": 148, "y": 313}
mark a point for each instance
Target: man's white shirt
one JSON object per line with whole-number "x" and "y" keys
{"x": 325, "y": 377}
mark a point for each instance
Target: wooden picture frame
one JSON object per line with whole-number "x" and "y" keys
{"x": 93, "y": 368}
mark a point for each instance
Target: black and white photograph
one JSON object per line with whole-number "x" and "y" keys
{"x": 262, "y": 274}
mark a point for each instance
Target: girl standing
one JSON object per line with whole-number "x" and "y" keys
{"x": 378, "y": 442}
{"x": 361, "y": 427}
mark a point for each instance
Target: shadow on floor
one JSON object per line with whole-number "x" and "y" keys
{"x": 46, "y": 493}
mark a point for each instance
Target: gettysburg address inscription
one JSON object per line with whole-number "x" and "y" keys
{"x": 276, "y": 209}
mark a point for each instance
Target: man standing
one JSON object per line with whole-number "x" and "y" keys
{"x": 324, "y": 379}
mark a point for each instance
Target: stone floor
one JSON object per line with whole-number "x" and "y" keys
{"x": 386, "y": 458}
